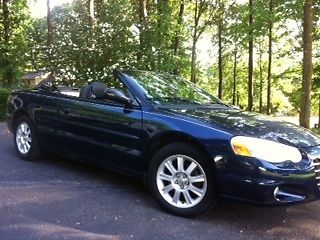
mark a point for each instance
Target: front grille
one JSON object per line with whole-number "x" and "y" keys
{"x": 316, "y": 163}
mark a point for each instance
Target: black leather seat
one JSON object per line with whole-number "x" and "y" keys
{"x": 85, "y": 91}
{"x": 94, "y": 90}
{"x": 98, "y": 89}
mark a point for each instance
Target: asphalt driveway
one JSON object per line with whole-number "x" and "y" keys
{"x": 58, "y": 198}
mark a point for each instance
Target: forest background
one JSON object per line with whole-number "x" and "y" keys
{"x": 261, "y": 55}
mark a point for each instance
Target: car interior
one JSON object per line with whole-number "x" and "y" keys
{"x": 94, "y": 90}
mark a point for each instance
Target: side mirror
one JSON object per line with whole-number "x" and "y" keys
{"x": 117, "y": 96}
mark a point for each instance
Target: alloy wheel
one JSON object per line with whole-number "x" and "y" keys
{"x": 181, "y": 181}
{"x": 23, "y": 138}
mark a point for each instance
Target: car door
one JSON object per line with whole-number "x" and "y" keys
{"x": 103, "y": 131}
{"x": 44, "y": 110}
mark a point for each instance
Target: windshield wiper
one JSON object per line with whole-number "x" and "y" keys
{"x": 182, "y": 100}
{"x": 216, "y": 103}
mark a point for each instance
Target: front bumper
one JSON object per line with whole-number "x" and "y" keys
{"x": 261, "y": 182}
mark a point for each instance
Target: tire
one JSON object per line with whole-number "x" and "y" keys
{"x": 182, "y": 180}
{"x": 25, "y": 139}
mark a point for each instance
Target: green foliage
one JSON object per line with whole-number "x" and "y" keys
{"x": 13, "y": 53}
{"x": 37, "y": 35}
{"x": 82, "y": 52}
{"x": 4, "y": 94}
{"x": 316, "y": 130}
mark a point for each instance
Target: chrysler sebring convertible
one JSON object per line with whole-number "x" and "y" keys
{"x": 189, "y": 147}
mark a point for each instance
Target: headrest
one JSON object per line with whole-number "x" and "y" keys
{"x": 98, "y": 89}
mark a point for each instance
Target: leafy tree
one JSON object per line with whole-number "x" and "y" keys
{"x": 83, "y": 40}
{"x": 49, "y": 25}
{"x": 203, "y": 13}
{"x": 15, "y": 22}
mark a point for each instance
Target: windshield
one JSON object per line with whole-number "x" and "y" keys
{"x": 163, "y": 88}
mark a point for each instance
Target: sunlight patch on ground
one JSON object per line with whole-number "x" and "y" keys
{"x": 45, "y": 230}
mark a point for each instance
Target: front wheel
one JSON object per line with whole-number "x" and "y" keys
{"x": 182, "y": 180}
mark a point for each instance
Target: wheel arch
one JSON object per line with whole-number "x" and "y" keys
{"x": 166, "y": 138}
{"x": 17, "y": 114}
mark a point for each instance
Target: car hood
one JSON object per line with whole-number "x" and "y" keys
{"x": 249, "y": 124}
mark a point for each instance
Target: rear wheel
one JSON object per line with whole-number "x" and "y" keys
{"x": 25, "y": 139}
{"x": 182, "y": 180}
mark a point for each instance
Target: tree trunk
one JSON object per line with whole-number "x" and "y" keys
{"x": 270, "y": 59}
{"x": 193, "y": 62}
{"x": 91, "y": 21}
{"x": 99, "y": 9}
{"x": 162, "y": 18}
{"x": 8, "y": 76}
{"x": 49, "y": 24}
{"x": 176, "y": 43}
{"x": 177, "y": 37}
{"x": 234, "y": 77}
{"x": 319, "y": 114}
{"x": 143, "y": 16}
{"x": 163, "y": 13}
{"x": 201, "y": 7}
{"x": 261, "y": 79}
{"x": 6, "y": 20}
{"x": 90, "y": 6}
{"x": 194, "y": 43}
{"x": 238, "y": 99}
{"x": 305, "y": 108}
{"x": 220, "y": 59}
{"x": 250, "y": 64}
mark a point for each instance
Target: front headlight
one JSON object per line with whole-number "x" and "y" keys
{"x": 264, "y": 149}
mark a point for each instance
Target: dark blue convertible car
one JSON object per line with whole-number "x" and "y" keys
{"x": 188, "y": 146}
